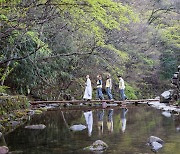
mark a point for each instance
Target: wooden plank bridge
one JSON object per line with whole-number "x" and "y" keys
{"x": 141, "y": 101}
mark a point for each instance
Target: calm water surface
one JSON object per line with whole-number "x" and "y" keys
{"x": 124, "y": 130}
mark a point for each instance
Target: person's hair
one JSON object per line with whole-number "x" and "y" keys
{"x": 119, "y": 76}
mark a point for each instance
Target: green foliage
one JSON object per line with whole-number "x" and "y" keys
{"x": 130, "y": 92}
{"x": 44, "y": 46}
{"x": 3, "y": 74}
{"x": 3, "y": 89}
{"x": 116, "y": 33}
{"x": 108, "y": 13}
{"x": 123, "y": 55}
{"x": 168, "y": 64}
{"x": 171, "y": 35}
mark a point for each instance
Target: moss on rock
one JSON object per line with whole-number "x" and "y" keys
{"x": 12, "y": 110}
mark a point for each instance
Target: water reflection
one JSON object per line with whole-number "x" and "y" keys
{"x": 89, "y": 121}
{"x": 100, "y": 116}
{"x": 123, "y": 119}
{"x": 105, "y": 124}
{"x": 110, "y": 120}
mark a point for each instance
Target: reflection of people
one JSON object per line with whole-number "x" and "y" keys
{"x": 123, "y": 119}
{"x": 100, "y": 121}
{"x": 110, "y": 120}
{"x": 109, "y": 87}
{"x": 121, "y": 88}
{"x": 99, "y": 88}
{"x": 89, "y": 121}
{"x": 88, "y": 89}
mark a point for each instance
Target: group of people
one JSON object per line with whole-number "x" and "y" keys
{"x": 108, "y": 87}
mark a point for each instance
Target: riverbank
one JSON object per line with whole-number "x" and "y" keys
{"x": 13, "y": 111}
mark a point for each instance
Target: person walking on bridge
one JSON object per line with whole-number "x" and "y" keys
{"x": 99, "y": 88}
{"x": 121, "y": 88}
{"x": 88, "y": 89}
{"x": 109, "y": 86}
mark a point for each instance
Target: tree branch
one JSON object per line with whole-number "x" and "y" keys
{"x": 65, "y": 55}
{"x": 20, "y": 58}
{"x": 154, "y": 15}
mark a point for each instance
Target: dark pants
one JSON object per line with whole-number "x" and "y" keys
{"x": 108, "y": 90}
{"x": 99, "y": 93}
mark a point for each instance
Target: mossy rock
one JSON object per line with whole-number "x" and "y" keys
{"x": 43, "y": 109}
{"x": 38, "y": 111}
{"x": 10, "y": 103}
{"x": 2, "y": 129}
{"x": 97, "y": 146}
{"x": 12, "y": 108}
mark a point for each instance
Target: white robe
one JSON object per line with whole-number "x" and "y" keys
{"x": 89, "y": 121}
{"x": 88, "y": 90}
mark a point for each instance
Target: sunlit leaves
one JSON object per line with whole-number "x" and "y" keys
{"x": 44, "y": 47}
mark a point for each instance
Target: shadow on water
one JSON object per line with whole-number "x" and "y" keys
{"x": 125, "y": 130}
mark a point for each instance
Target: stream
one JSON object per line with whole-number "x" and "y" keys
{"x": 125, "y": 130}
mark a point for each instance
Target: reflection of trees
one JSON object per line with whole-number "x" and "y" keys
{"x": 142, "y": 122}
{"x": 177, "y": 122}
{"x": 53, "y": 133}
{"x": 2, "y": 141}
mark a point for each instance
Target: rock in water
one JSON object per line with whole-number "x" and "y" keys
{"x": 4, "y": 150}
{"x": 166, "y": 114}
{"x": 97, "y": 146}
{"x": 155, "y": 142}
{"x": 37, "y": 111}
{"x": 166, "y": 96}
{"x": 104, "y": 104}
{"x": 156, "y": 146}
{"x": 79, "y": 127}
{"x": 14, "y": 123}
{"x": 40, "y": 126}
{"x": 155, "y": 139}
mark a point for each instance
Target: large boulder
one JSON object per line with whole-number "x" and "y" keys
{"x": 4, "y": 150}
{"x": 155, "y": 139}
{"x": 97, "y": 146}
{"x": 155, "y": 146}
{"x": 166, "y": 96}
{"x": 79, "y": 127}
{"x": 155, "y": 143}
{"x": 40, "y": 126}
{"x": 166, "y": 114}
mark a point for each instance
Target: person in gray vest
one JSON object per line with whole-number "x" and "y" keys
{"x": 99, "y": 88}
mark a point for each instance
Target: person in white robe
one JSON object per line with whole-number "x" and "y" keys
{"x": 88, "y": 89}
{"x": 89, "y": 121}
